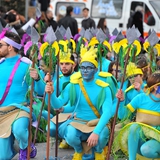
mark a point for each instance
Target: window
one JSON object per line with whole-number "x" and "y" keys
{"x": 107, "y": 8}
{"x": 77, "y": 8}
{"x": 147, "y": 15}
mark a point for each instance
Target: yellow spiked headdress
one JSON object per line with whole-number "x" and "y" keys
{"x": 90, "y": 56}
{"x": 65, "y": 52}
{"x": 132, "y": 70}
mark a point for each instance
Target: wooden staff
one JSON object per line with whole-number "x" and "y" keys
{"x": 31, "y": 103}
{"x": 57, "y": 112}
{"x": 39, "y": 118}
{"x": 49, "y": 106}
{"x": 117, "y": 107}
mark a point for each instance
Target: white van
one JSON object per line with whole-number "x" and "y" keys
{"x": 117, "y": 12}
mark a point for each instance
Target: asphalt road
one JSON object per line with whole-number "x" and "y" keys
{"x": 63, "y": 154}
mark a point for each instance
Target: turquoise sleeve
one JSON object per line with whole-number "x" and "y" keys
{"x": 61, "y": 100}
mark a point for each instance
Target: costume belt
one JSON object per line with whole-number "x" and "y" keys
{"x": 6, "y": 112}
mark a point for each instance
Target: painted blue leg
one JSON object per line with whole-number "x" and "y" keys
{"x": 20, "y": 131}
{"x": 151, "y": 149}
{"x": 45, "y": 115}
{"x": 74, "y": 138}
{"x": 6, "y": 148}
{"x": 135, "y": 140}
{"x": 52, "y": 129}
{"x": 103, "y": 140}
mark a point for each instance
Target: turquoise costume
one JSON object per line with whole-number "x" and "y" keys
{"x": 63, "y": 82}
{"x": 105, "y": 64}
{"x": 84, "y": 112}
{"x": 140, "y": 138}
{"x": 16, "y": 95}
{"x": 40, "y": 85}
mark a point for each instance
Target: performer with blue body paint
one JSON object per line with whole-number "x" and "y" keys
{"x": 14, "y": 116}
{"x": 89, "y": 99}
{"x": 143, "y": 136}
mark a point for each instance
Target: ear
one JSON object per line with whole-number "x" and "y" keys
{"x": 10, "y": 48}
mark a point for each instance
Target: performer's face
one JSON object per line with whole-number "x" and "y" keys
{"x": 119, "y": 72}
{"x": 4, "y": 52}
{"x": 135, "y": 78}
{"x": 43, "y": 67}
{"x": 67, "y": 68}
{"x": 87, "y": 70}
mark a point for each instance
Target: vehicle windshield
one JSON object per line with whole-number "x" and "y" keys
{"x": 107, "y": 8}
{"x": 156, "y": 6}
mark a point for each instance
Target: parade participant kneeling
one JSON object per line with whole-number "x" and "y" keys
{"x": 90, "y": 100}
{"x": 143, "y": 136}
{"x": 14, "y": 119}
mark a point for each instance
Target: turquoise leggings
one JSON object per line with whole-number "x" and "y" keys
{"x": 74, "y": 138}
{"x": 138, "y": 144}
{"x": 20, "y": 133}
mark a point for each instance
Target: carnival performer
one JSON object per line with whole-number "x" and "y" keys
{"x": 133, "y": 85}
{"x": 67, "y": 65}
{"x": 14, "y": 116}
{"x": 89, "y": 99}
{"x": 143, "y": 136}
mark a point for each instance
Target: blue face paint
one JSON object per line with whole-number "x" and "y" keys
{"x": 158, "y": 90}
{"x": 87, "y": 70}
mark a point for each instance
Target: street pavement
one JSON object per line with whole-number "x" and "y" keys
{"x": 63, "y": 154}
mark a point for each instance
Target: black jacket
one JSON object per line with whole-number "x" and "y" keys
{"x": 70, "y": 22}
{"x": 53, "y": 23}
{"x": 88, "y": 23}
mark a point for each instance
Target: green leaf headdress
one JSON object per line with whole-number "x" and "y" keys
{"x": 50, "y": 48}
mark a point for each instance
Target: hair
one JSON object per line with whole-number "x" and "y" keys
{"x": 48, "y": 11}
{"x": 139, "y": 8}
{"x": 153, "y": 79}
{"x": 101, "y": 23}
{"x": 13, "y": 37}
{"x": 69, "y": 10}
{"x": 142, "y": 61}
{"x": 110, "y": 68}
{"x": 11, "y": 17}
{"x": 77, "y": 65}
{"x": 72, "y": 57}
{"x": 85, "y": 9}
{"x": 59, "y": 16}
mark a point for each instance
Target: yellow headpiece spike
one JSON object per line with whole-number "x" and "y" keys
{"x": 65, "y": 53}
{"x": 90, "y": 56}
{"x": 132, "y": 70}
{"x": 93, "y": 42}
{"x": 65, "y": 57}
{"x": 43, "y": 47}
{"x": 83, "y": 50}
